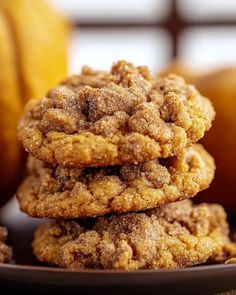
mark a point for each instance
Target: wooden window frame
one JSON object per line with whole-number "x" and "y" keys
{"x": 174, "y": 25}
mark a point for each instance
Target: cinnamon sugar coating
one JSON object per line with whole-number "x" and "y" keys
{"x": 54, "y": 191}
{"x": 5, "y": 251}
{"x": 125, "y": 116}
{"x": 177, "y": 235}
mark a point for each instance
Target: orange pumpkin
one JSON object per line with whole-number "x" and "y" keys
{"x": 220, "y": 141}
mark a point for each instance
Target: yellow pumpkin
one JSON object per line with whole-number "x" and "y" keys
{"x": 32, "y": 59}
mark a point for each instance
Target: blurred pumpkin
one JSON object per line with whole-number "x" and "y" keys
{"x": 220, "y": 87}
{"x": 178, "y": 68}
{"x": 32, "y": 59}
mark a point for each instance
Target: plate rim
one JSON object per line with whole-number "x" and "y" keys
{"x": 202, "y": 268}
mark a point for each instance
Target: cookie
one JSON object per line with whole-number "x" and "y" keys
{"x": 125, "y": 116}
{"x": 231, "y": 261}
{"x": 176, "y": 236}
{"x": 54, "y": 191}
{"x": 5, "y": 251}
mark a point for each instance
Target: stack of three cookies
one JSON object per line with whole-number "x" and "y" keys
{"x": 121, "y": 145}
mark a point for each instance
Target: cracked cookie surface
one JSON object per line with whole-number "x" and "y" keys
{"x": 114, "y": 118}
{"x": 54, "y": 191}
{"x": 5, "y": 251}
{"x": 175, "y": 236}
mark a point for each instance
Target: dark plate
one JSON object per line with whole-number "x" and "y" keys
{"x": 24, "y": 273}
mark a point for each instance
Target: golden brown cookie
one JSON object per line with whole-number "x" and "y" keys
{"x": 177, "y": 235}
{"x": 231, "y": 261}
{"x": 54, "y": 191}
{"x": 120, "y": 117}
{"x": 5, "y": 251}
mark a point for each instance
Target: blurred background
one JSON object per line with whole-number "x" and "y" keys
{"x": 41, "y": 41}
{"x": 152, "y": 32}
